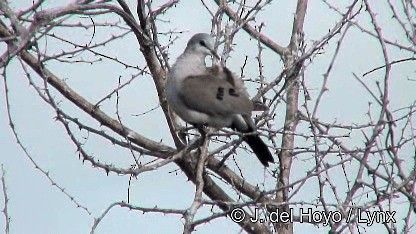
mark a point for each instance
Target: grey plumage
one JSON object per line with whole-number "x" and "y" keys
{"x": 212, "y": 96}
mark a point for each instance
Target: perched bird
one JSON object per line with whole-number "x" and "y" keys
{"x": 212, "y": 96}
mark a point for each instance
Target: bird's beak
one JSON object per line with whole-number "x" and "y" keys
{"x": 215, "y": 54}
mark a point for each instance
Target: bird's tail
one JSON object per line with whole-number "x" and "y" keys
{"x": 259, "y": 148}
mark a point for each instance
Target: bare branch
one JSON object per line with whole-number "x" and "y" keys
{"x": 6, "y": 201}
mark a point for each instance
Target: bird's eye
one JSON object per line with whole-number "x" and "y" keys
{"x": 202, "y": 43}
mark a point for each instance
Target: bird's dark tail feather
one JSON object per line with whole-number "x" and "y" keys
{"x": 259, "y": 148}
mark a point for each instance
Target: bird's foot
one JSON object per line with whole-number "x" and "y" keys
{"x": 202, "y": 129}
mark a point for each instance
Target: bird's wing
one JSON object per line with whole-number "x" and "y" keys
{"x": 227, "y": 75}
{"x": 213, "y": 96}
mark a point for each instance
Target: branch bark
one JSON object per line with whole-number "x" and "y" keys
{"x": 291, "y": 119}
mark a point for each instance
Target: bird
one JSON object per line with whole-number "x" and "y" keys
{"x": 212, "y": 96}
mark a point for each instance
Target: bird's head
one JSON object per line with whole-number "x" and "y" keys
{"x": 203, "y": 44}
